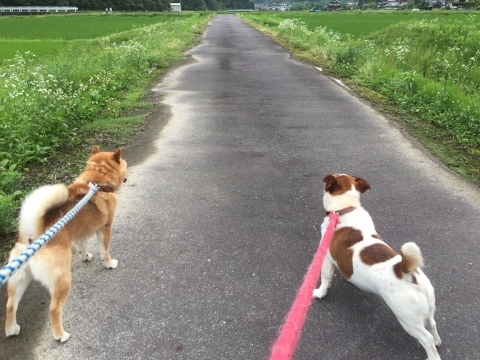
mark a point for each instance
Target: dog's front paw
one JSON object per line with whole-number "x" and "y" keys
{"x": 65, "y": 336}
{"x": 111, "y": 264}
{"x": 320, "y": 292}
{"x": 87, "y": 257}
{"x": 14, "y": 330}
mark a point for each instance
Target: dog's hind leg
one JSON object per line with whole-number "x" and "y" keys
{"x": 328, "y": 269}
{"x": 432, "y": 325}
{"x": 418, "y": 331}
{"x": 103, "y": 237}
{"x": 412, "y": 311}
{"x": 17, "y": 285}
{"x": 59, "y": 292}
{"x": 52, "y": 267}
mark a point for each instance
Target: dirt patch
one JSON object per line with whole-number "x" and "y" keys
{"x": 142, "y": 145}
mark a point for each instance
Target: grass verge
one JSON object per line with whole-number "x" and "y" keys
{"x": 87, "y": 95}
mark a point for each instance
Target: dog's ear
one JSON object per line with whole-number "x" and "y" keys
{"x": 329, "y": 181}
{"x": 117, "y": 155}
{"x": 362, "y": 184}
{"x": 95, "y": 150}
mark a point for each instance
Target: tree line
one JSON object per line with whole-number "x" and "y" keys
{"x": 216, "y": 4}
{"x": 136, "y": 5}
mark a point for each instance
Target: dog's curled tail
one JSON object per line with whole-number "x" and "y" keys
{"x": 35, "y": 206}
{"x": 411, "y": 258}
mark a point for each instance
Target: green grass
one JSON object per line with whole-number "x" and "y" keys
{"x": 360, "y": 24}
{"x": 84, "y": 93}
{"x": 115, "y": 131}
{"x": 41, "y": 48}
{"x": 52, "y": 34}
{"x": 70, "y": 27}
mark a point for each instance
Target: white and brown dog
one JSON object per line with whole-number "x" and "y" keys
{"x": 370, "y": 264}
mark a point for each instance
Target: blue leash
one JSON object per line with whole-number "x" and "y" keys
{"x": 8, "y": 270}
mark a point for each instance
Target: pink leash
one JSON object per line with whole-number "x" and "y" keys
{"x": 286, "y": 343}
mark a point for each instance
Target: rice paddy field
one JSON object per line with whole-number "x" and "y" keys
{"x": 49, "y": 34}
{"x": 363, "y": 23}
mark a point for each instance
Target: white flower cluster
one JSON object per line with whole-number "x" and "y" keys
{"x": 28, "y": 91}
{"x": 293, "y": 26}
{"x": 329, "y": 36}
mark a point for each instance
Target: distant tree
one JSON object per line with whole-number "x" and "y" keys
{"x": 17, "y": 2}
{"x": 296, "y": 7}
{"x": 420, "y": 4}
{"x": 125, "y": 5}
{"x": 211, "y": 5}
{"x": 236, "y": 4}
{"x": 227, "y": 4}
{"x": 119, "y": 5}
{"x": 194, "y": 5}
{"x": 144, "y": 5}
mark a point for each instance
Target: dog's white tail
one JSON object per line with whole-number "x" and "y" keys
{"x": 411, "y": 258}
{"x": 35, "y": 206}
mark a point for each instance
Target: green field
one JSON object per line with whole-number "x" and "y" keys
{"x": 73, "y": 26}
{"x": 361, "y": 24}
{"x": 48, "y": 35}
{"x": 71, "y": 81}
{"x": 44, "y": 35}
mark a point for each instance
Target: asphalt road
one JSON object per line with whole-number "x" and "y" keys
{"x": 218, "y": 225}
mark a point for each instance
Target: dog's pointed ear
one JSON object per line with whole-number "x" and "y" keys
{"x": 95, "y": 150}
{"x": 117, "y": 155}
{"x": 362, "y": 184}
{"x": 329, "y": 181}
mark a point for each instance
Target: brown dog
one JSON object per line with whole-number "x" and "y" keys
{"x": 52, "y": 264}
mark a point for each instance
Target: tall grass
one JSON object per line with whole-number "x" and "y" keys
{"x": 45, "y": 102}
{"x": 434, "y": 71}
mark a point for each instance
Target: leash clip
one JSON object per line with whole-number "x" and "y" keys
{"x": 335, "y": 217}
{"x": 93, "y": 186}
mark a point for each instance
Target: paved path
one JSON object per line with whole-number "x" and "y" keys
{"x": 216, "y": 229}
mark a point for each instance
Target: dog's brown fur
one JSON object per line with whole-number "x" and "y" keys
{"x": 52, "y": 264}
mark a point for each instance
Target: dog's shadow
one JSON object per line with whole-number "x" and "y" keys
{"x": 353, "y": 324}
